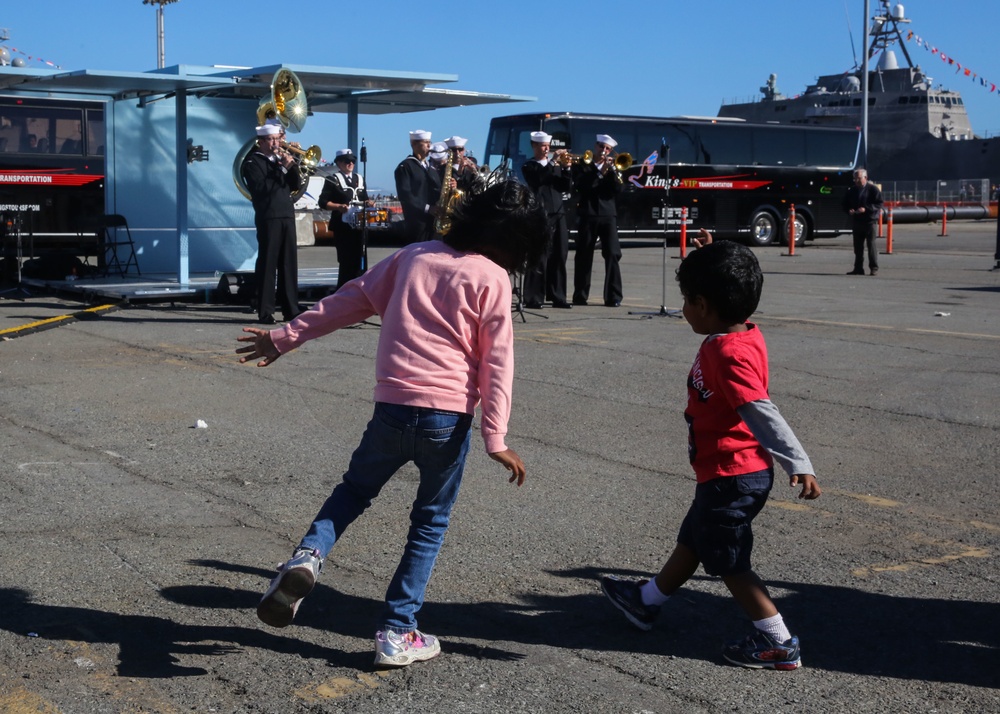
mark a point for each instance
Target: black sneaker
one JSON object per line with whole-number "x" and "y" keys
{"x": 625, "y": 595}
{"x": 761, "y": 651}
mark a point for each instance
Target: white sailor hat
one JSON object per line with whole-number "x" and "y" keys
{"x": 540, "y": 137}
{"x": 456, "y": 142}
{"x": 268, "y": 129}
{"x": 439, "y": 151}
{"x": 606, "y": 139}
{"x": 345, "y": 155}
{"x": 420, "y": 135}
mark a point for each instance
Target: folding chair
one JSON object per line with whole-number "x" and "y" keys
{"x": 115, "y": 241}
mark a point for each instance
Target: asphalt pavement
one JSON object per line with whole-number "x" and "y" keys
{"x": 135, "y": 544}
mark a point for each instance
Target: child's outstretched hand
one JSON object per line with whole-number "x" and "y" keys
{"x": 810, "y": 487}
{"x": 262, "y": 346}
{"x": 512, "y": 462}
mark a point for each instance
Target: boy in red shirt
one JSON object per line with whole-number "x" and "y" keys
{"x": 734, "y": 435}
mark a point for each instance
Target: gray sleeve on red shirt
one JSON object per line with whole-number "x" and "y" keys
{"x": 772, "y": 431}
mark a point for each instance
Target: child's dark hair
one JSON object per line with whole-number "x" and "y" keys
{"x": 503, "y": 222}
{"x": 727, "y": 275}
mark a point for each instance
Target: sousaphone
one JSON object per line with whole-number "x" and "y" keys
{"x": 287, "y": 103}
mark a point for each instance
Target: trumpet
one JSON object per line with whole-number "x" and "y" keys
{"x": 568, "y": 159}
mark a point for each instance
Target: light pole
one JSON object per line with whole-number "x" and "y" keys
{"x": 160, "y": 53}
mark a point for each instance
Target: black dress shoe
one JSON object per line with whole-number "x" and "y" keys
{"x": 266, "y": 319}
{"x": 855, "y": 272}
{"x": 874, "y": 271}
{"x": 533, "y": 305}
{"x": 612, "y": 304}
{"x": 562, "y": 305}
{"x": 577, "y": 301}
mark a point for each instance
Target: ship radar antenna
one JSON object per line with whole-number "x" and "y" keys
{"x": 886, "y": 30}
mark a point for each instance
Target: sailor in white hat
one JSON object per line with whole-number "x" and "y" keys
{"x": 271, "y": 178}
{"x": 418, "y": 186}
{"x": 345, "y": 196}
{"x": 598, "y": 185}
{"x": 464, "y": 171}
{"x": 550, "y": 179}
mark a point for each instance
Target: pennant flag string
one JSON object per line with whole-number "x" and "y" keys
{"x": 911, "y": 36}
{"x": 34, "y": 59}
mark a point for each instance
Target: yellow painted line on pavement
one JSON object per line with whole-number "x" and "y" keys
{"x": 21, "y": 701}
{"x": 963, "y": 552}
{"x": 338, "y": 687}
{"x": 57, "y": 321}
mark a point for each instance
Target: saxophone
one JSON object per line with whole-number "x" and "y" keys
{"x": 447, "y": 199}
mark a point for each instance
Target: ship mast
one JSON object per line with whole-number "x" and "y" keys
{"x": 886, "y": 31}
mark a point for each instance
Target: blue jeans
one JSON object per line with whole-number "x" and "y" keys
{"x": 437, "y": 442}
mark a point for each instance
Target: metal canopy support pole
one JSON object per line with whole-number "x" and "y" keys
{"x": 352, "y": 123}
{"x": 182, "y": 189}
{"x": 864, "y": 93}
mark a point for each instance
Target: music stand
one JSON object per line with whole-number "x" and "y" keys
{"x": 11, "y": 225}
{"x": 519, "y": 299}
{"x": 663, "y": 311}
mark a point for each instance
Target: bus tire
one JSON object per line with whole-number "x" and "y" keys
{"x": 802, "y": 231}
{"x": 764, "y": 227}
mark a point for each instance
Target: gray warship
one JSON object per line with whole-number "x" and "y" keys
{"x": 916, "y": 132}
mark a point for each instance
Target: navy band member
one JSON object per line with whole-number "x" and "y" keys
{"x": 345, "y": 196}
{"x": 418, "y": 188}
{"x": 598, "y": 185}
{"x": 463, "y": 169}
{"x": 549, "y": 179}
{"x": 271, "y": 178}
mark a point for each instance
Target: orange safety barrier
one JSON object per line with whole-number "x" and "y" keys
{"x": 944, "y": 220}
{"x": 684, "y": 231}
{"x": 888, "y": 235}
{"x": 791, "y": 231}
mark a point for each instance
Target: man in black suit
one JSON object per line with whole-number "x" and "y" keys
{"x": 418, "y": 188}
{"x": 598, "y": 185}
{"x": 345, "y": 196}
{"x": 271, "y": 177}
{"x": 863, "y": 202}
{"x": 549, "y": 179}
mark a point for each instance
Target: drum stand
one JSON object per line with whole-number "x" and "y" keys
{"x": 12, "y": 227}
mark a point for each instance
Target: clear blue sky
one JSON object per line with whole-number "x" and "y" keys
{"x": 628, "y": 57}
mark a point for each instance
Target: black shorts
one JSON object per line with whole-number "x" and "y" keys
{"x": 717, "y": 526}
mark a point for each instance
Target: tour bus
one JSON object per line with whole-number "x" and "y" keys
{"x": 52, "y": 165}
{"x": 737, "y": 179}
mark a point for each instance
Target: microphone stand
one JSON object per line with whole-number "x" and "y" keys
{"x": 14, "y": 228}
{"x": 664, "y": 312}
{"x": 364, "y": 213}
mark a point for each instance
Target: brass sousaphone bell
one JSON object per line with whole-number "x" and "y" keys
{"x": 287, "y": 103}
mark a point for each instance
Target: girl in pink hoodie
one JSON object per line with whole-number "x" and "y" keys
{"x": 446, "y": 345}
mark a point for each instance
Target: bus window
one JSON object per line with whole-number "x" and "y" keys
{"x": 831, "y": 149}
{"x": 778, "y": 148}
{"x": 681, "y": 140}
{"x": 724, "y": 144}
